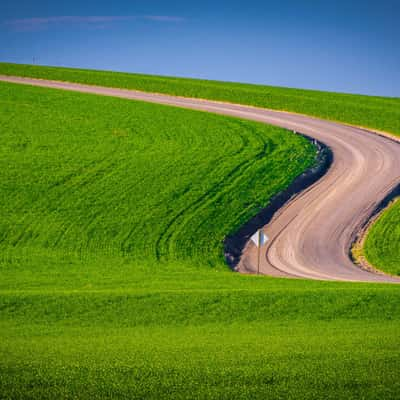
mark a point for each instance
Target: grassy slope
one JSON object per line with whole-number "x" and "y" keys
{"x": 382, "y": 244}
{"x": 96, "y": 175}
{"x": 88, "y": 318}
{"x": 380, "y": 113}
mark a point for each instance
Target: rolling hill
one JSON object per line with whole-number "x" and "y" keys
{"x": 381, "y": 113}
{"x": 113, "y": 283}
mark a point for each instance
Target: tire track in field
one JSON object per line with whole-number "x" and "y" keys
{"x": 55, "y": 195}
{"x": 175, "y": 226}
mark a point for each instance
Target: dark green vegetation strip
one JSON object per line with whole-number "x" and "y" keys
{"x": 112, "y": 213}
{"x": 382, "y": 244}
{"x": 380, "y": 113}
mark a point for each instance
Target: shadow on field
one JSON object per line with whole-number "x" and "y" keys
{"x": 234, "y": 244}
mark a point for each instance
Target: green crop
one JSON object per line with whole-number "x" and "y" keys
{"x": 380, "y": 113}
{"x": 112, "y": 279}
{"x": 94, "y": 175}
{"x": 382, "y": 244}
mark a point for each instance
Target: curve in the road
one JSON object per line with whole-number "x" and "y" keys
{"x": 310, "y": 237}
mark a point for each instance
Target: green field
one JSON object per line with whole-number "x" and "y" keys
{"x": 96, "y": 175}
{"x": 112, "y": 278}
{"x": 382, "y": 244}
{"x": 380, "y": 113}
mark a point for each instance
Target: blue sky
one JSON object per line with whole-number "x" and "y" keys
{"x": 348, "y": 46}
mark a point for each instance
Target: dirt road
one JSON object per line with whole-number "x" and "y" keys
{"x": 310, "y": 236}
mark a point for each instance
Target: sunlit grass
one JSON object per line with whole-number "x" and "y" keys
{"x": 112, "y": 278}
{"x": 382, "y": 244}
{"x": 381, "y": 113}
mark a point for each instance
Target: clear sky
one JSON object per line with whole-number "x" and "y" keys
{"x": 337, "y": 45}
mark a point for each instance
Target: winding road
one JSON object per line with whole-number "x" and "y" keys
{"x": 311, "y": 235}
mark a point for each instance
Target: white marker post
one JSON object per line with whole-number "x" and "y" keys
{"x": 259, "y": 239}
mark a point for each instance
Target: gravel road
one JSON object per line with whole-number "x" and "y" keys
{"x": 311, "y": 235}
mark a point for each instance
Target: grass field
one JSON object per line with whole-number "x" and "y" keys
{"x": 112, "y": 280}
{"x": 89, "y": 174}
{"x": 233, "y": 337}
{"x": 380, "y": 113}
{"x": 382, "y": 244}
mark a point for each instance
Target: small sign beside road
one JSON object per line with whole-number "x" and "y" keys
{"x": 259, "y": 239}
